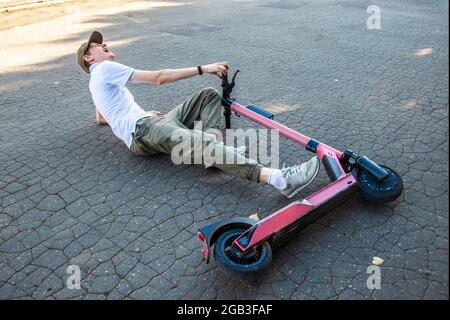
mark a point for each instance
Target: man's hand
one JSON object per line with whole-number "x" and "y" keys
{"x": 220, "y": 69}
{"x": 99, "y": 118}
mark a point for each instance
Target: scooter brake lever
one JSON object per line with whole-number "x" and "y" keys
{"x": 234, "y": 77}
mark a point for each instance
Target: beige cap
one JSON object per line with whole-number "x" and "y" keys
{"x": 96, "y": 37}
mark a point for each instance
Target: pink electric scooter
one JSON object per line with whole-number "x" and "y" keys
{"x": 243, "y": 246}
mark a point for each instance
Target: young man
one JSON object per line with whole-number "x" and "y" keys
{"x": 147, "y": 133}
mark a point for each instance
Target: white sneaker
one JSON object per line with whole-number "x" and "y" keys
{"x": 299, "y": 176}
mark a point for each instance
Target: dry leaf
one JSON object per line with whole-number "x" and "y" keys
{"x": 377, "y": 261}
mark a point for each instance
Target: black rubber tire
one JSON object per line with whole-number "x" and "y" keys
{"x": 248, "y": 267}
{"x": 374, "y": 191}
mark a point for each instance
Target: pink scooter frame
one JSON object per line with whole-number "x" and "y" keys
{"x": 243, "y": 239}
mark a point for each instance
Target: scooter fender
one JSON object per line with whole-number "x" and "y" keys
{"x": 209, "y": 234}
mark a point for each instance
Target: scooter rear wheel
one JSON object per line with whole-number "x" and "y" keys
{"x": 245, "y": 266}
{"x": 375, "y": 191}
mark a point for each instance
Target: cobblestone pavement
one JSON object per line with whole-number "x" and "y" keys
{"x": 71, "y": 193}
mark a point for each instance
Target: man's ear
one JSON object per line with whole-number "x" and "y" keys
{"x": 88, "y": 58}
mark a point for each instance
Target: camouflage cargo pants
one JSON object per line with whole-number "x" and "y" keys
{"x": 155, "y": 134}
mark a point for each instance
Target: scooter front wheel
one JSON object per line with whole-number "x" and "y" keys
{"x": 374, "y": 191}
{"x": 247, "y": 265}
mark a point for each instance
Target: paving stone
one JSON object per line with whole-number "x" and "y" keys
{"x": 101, "y": 284}
{"x": 145, "y": 293}
{"x": 139, "y": 276}
{"x": 49, "y": 286}
{"x": 51, "y": 203}
{"x": 51, "y": 259}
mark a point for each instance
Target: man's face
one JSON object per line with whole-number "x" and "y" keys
{"x": 98, "y": 52}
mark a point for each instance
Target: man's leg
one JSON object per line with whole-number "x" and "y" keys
{"x": 231, "y": 161}
{"x": 205, "y": 106}
{"x": 189, "y": 146}
{"x": 162, "y": 136}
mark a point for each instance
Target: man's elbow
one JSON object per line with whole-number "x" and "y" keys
{"x": 159, "y": 81}
{"x": 160, "y": 78}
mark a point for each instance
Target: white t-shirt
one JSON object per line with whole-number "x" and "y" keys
{"x": 113, "y": 100}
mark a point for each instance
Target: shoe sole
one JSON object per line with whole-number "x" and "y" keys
{"x": 307, "y": 184}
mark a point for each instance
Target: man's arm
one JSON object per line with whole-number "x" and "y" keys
{"x": 99, "y": 118}
{"x": 170, "y": 75}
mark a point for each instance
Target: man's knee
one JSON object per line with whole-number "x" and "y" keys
{"x": 210, "y": 91}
